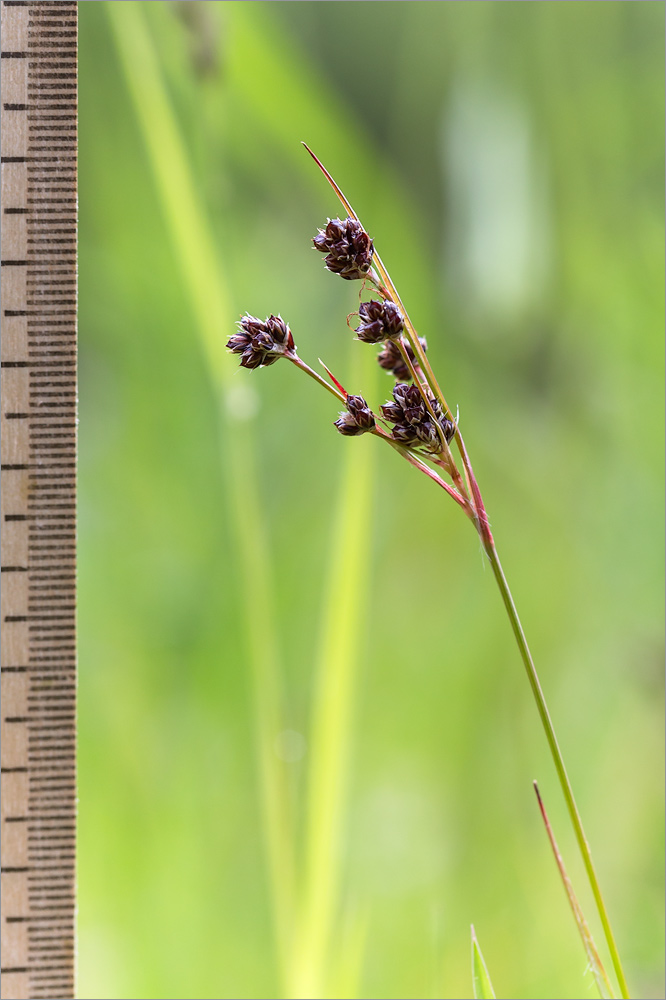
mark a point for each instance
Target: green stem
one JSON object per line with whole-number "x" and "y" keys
{"x": 485, "y": 534}
{"x": 558, "y": 760}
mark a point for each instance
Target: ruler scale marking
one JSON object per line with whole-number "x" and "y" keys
{"x": 38, "y": 422}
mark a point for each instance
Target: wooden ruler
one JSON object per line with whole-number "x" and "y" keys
{"x": 38, "y": 423}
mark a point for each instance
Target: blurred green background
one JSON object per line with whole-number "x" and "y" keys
{"x": 507, "y": 158}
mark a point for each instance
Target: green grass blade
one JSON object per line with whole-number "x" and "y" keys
{"x": 344, "y": 977}
{"x": 483, "y": 988}
{"x": 204, "y": 279}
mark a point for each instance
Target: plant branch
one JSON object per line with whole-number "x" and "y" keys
{"x": 296, "y": 360}
{"x": 379, "y": 432}
{"x": 423, "y": 467}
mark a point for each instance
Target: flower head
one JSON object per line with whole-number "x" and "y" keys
{"x": 347, "y": 246}
{"x": 357, "y": 418}
{"x": 380, "y": 320}
{"x": 412, "y": 420}
{"x": 261, "y": 343}
{"x": 392, "y": 360}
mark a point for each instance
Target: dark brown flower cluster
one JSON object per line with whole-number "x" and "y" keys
{"x": 380, "y": 320}
{"x": 392, "y": 360}
{"x": 347, "y": 246}
{"x": 261, "y": 343}
{"x": 413, "y": 422}
{"x": 357, "y": 418}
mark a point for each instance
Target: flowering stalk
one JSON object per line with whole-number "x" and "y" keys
{"x": 417, "y": 423}
{"x": 385, "y": 285}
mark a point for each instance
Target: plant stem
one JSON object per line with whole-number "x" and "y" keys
{"x": 558, "y": 760}
{"x": 483, "y": 528}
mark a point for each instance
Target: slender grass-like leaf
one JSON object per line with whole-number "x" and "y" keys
{"x": 344, "y": 976}
{"x": 483, "y": 988}
{"x": 598, "y": 971}
{"x": 204, "y": 279}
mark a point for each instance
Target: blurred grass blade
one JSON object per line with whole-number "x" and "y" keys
{"x": 344, "y": 608}
{"x": 483, "y": 988}
{"x": 192, "y": 239}
{"x": 598, "y": 971}
{"x": 344, "y": 978}
{"x": 203, "y": 276}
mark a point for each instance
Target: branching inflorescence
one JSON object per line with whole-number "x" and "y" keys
{"x": 417, "y": 423}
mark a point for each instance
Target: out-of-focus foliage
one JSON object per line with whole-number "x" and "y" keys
{"x": 507, "y": 158}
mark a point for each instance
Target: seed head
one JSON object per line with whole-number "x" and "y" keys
{"x": 413, "y": 423}
{"x": 357, "y": 418}
{"x": 347, "y": 246}
{"x": 379, "y": 321}
{"x": 261, "y": 343}
{"x": 391, "y": 359}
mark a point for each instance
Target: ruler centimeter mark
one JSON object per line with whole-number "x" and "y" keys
{"x": 38, "y": 514}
